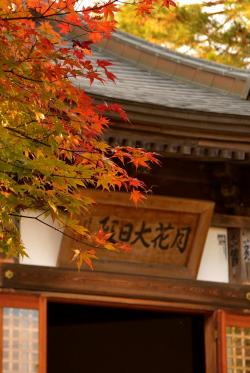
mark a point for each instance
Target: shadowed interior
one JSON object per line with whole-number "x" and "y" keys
{"x": 101, "y": 339}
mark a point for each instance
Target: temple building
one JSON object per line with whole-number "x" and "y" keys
{"x": 180, "y": 300}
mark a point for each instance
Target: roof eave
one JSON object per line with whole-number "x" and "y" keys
{"x": 158, "y": 59}
{"x": 181, "y": 131}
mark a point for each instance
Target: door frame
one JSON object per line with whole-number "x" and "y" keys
{"x": 27, "y": 301}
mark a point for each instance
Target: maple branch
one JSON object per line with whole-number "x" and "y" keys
{"x": 29, "y": 53}
{"x": 15, "y": 165}
{"x": 9, "y": 173}
{"x": 213, "y": 3}
{"x": 41, "y": 16}
{"x": 72, "y": 177}
{"x": 52, "y": 227}
{"x": 71, "y": 24}
{"x": 25, "y": 136}
{"x": 221, "y": 25}
{"x": 22, "y": 76}
{"x": 78, "y": 151}
{"x": 32, "y": 17}
{"x": 49, "y": 7}
{"x": 42, "y": 213}
{"x": 215, "y": 13}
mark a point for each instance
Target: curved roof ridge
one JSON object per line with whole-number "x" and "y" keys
{"x": 158, "y": 49}
{"x": 157, "y": 58}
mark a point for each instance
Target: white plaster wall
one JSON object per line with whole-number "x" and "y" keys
{"x": 42, "y": 243}
{"x": 214, "y": 262}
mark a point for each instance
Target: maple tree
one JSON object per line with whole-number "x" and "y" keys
{"x": 51, "y": 146}
{"x": 217, "y": 30}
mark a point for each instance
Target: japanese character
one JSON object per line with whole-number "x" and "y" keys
{"x": 246, "y": 249}
{"x": 125, "y": 232}
{"x": 181, "y": 238}
{"x": 109, "y": 228}
{"x": 162, "y": 239}
{"x": 140, "y": 235}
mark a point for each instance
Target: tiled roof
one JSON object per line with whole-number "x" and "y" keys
{"x": 177, "y": 104}
{"x": 198, "y": 63}
{"x": 143, "y": 85}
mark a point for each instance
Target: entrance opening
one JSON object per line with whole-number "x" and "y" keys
{"x": 93, "y": 339}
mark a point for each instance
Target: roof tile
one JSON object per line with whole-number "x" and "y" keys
{"x": 137, "y": 84}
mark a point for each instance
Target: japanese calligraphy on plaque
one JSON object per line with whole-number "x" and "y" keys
{"x": 164, "y": 233}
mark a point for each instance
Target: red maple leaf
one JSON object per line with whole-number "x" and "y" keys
{"x": 103, "y": 63}
{"x": 101, "y": 238}
{"x": 169, "y": 3}
{"x": 64, "y": 28}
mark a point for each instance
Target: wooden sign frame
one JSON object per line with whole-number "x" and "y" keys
{"x": 202, "y": 210}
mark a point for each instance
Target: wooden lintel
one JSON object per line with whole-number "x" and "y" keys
{"x": 230, "y": 221}
{"x": 185, "y": 293}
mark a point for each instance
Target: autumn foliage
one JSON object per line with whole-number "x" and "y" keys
{"x": 51, "y": 146}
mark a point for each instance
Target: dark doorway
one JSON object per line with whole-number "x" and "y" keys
{"x": 112, "y": 340}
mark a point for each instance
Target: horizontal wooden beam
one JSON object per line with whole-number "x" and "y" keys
{"x": 230, "y": 221}
{"x": 188, "y": 294}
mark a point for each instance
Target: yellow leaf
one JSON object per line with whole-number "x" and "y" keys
{"x": 39, "y": 116}
{"x": 54, "y": 208}
{"x": 39, "y": 153}
{"x": 76, "y": 254}
{"x": 109, "y": 246}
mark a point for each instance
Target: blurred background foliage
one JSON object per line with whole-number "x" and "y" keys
{"x": 215, "y": 30}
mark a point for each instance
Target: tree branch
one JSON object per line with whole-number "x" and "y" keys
{"x": 54, "y": 228}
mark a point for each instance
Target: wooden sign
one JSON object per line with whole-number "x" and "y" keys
{"x": 167, "y": 235}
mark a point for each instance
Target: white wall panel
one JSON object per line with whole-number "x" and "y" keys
{"x": 41, "y": 242}
{"x": 214, "y": 262}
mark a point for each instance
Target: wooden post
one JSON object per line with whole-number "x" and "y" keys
{"x": 211, "y": 336}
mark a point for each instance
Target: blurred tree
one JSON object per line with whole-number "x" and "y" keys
{"x": 216, "y": 30}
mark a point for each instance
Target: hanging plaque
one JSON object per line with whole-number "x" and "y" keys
{"x": 167, "y": 235}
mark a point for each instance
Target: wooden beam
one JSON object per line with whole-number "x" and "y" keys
{"x": 230, "y": 221}
{"x": 188, "y": 293}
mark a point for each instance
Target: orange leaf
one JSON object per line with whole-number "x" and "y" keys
{"x": 101, "y": 238}
{"x": 64, "y": 28}
{"x": 136, "y": 196}
{"x": 124, "y": 247}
